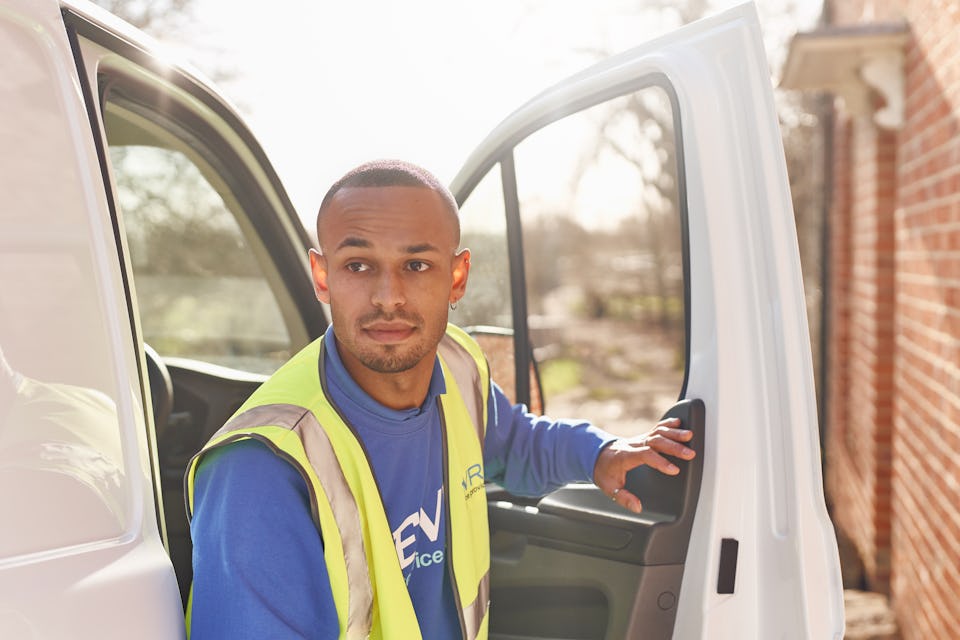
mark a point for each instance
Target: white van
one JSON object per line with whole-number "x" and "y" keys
{"x": 153, "y": 272}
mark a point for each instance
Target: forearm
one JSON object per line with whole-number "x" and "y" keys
{"x": 533, "y": 455}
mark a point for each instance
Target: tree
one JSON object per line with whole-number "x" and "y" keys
{"x": 645, "y": 121}
{"x": 802, "y": 141}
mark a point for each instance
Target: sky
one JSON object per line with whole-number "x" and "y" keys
{"x": 327, "y": 85}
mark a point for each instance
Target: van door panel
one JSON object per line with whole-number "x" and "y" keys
{"x": 81, "y": 554}
{"x": 761, "y": 560}
{"x": 606, "y": 558}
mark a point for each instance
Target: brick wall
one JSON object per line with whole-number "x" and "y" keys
{"x": 926, "y": 548}
{"x": 862, "y": 343}
{"x": 893, "y": 445}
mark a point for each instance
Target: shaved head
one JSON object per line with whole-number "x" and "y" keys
{"x": 389, "y": 173}
{"x": 389, "y": 266}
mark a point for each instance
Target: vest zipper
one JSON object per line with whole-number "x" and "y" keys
{"x": 448, "y": 528}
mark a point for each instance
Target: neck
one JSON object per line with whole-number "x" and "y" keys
{"x": 404, "y": 390}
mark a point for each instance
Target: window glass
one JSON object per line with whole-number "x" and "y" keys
{"x": 201, "y": 290}
{"x": 603, "y": 258}
{"x": 483, "y": 230}
{"x": 486, "y": 310}
{"x": 64, "y": 479}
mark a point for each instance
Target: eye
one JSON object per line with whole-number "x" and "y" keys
{"x": 418, "y": 265}
{"x": 357, "y": 267}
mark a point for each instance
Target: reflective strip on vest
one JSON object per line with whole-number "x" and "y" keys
{"x": 464, "y": 369}
{"x": 474, "y": 613}
{"x": 320, "y": 453}
{"x": 464, "y": 360}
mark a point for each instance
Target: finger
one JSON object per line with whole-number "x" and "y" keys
{"x": 611, "y": 486}
{"x": 661, "y": 464}
{"x": 671, "y": 447}
{"x": 627, "y": 500}
{"x": 651, "y": 458}
{"x": 681, "y": 435}
{"x": 666, "y": 443}
{"x": 668, "y": 433}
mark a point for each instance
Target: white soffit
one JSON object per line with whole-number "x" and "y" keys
{"x": 852, "y": 62}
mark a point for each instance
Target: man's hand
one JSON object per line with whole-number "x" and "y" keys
{"x": 619, "y": 457}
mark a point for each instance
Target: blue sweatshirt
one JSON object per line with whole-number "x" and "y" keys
{"x": 258, "y": 560}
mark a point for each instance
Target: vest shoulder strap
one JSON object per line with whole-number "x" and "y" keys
{"x": 470, "y": 371}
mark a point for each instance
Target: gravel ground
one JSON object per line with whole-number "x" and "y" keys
{"x": 868, "y": 616}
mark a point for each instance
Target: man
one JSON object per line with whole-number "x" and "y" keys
{"x": 344, "y": 499}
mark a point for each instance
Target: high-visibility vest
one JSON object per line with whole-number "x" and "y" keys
{"x": 292, "y": 414}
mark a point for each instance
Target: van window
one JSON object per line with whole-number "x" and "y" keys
{"x": 199, "y": 269}
{"x": 602, "y": 223}
{"x": 483, "y": 230}
{"x": 599, "y": 197}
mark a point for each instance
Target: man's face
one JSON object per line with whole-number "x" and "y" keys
{"x": 389, "y": 268}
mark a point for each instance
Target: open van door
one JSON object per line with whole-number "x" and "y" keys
{"x": 152, "y": 274}
{"x": 665, "y": 170}
{"x": 212, "y": 250}
{"x": 81, "y": 550}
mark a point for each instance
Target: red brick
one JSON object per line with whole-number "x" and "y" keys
{"x": 894, "y": 443}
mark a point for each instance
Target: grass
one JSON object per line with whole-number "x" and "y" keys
{"x": 559, "y": 375}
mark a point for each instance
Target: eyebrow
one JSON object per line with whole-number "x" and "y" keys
{"x": 421, "y": 248}
{"x": 362, "y": 243}
{"x": 351, "y": 241}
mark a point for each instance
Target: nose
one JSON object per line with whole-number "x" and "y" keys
{"x": 388, "y": 292}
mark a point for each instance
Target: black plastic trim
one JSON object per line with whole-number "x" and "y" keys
{"x": 518, "y": 279}
{"x": 727, "y": 574}
{"x": 582, "y": 520}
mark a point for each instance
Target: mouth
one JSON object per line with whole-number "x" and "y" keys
{"x": 389, "y": 332}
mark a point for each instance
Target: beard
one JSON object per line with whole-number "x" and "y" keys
{"x": 397, "y": 358}
{"x": 392, "y": 360}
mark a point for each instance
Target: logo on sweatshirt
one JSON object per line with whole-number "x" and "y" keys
{"x": 405, "y": 535}
{"x": 472, "y": 482}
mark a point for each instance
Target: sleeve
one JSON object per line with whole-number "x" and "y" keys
{"x": 258, "y": 564}
{"x": 530, "y": 455}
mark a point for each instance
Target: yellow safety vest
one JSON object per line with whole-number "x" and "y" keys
{"x": 293, "y": 415}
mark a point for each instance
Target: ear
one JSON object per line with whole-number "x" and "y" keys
{"x": 318, "y": 267}
{"x": 461, "y": 269}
